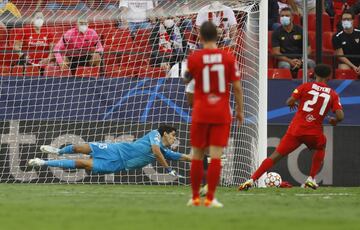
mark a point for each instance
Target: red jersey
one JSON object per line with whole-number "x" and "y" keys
{"x": 316, "y": 99}
{"x": 38, "y": 42}
{"x": 213, "y": 70}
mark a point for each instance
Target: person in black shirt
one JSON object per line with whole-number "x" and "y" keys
{"x": 287, "y": 43}
{"x": 347, "y": 42}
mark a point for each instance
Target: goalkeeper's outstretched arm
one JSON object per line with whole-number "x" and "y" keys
{"x": 159, "y": 156}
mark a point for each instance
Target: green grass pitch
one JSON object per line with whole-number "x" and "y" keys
{"x": 125, "y": 207}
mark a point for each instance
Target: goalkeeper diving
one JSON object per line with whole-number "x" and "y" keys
{"x": 115, "y": 157}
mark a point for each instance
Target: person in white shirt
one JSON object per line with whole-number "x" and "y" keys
{"x": 223, "y": 17}
{"x": 136, "y": 13}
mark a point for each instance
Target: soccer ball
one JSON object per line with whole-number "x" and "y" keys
{"x": 273, "y": 179}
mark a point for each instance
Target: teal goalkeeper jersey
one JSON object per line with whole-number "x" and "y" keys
{"x": 139, "y": 153}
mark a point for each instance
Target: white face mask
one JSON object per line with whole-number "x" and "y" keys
{"x": 39, "y": 22}
{"x": 83, "y": 28}
{"x": 346, "y": 24}
{"x": 168, "y": 23}
{"x": 285, "y": 20}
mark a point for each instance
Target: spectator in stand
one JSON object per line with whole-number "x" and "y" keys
{"x": 167, "y": 39}
{"x": 9, "y": 14}
{"x": 347, "y": 42}
{"x": 80, "y": 46}
{"x": 35, "y": 43}
{"x": 298, "y": 7}
{"x": 287, "y": 43}
{"x": 55, "y": 5}
{"x": 223, "y": 17}
{"x": 273, "y": 15}
{"x": 135, "y": 14}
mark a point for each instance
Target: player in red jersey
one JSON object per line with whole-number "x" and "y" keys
{"x": 315, "y": 100}
{"x": 213, "y": 70}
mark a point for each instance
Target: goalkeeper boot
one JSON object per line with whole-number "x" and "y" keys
{"x": 213, "y": 203}
{"x": 311, "y": 183}
{"x": 194, "y": 202}
{"x": 246, "y": 185}
{"x": 49, "y": 149}
{"x": 36, "y": 162}
{"x": 204, "y": 190}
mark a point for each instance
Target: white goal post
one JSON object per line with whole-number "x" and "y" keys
{"x": 135, "y": 87}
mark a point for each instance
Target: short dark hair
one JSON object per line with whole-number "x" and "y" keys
{"x": 286, "y": 9}
{"x": 166, "y": 129}
{"x": 322, "y": 70}
{"x": 348, "y": 12}
{"x": 208, "y": 32}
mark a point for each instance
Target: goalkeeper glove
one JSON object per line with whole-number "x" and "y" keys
{"x": 171, "y": 172}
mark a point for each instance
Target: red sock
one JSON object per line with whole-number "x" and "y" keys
{"x": 317, "y": 161}
{"x": 196, "y": 174}
{"x": 265, "y": 165}
{"x": 213, "y": 177}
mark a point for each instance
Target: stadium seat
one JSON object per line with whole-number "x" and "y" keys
{"x": 85, "y": 71}
{"x": 118, "y": 40}
{"x": 32, "y": 71}
{"x": 152, "y": 72}
{"x": 115, "y": 71}
{"x": 55, "y": 71}
{"x": 5, "y": 70}
{"x": 279, "y": 74}
{"x": 326, "y": 23}
{"x": 327, "y": 42}
{"x": 17, "y": 71}
{"x": 142, "y": 41}
{"x": 7, "y": 58}
{"x": 297, "y": 19}
{"x": 310, "y": 73}
{"x": 346, "y": 74}
{"x": 312, "y": 42}
{"x": 3, "y": 36}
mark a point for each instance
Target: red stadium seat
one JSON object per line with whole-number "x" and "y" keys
{"x": 84, "y": 71}
{"x": 142, "y": 41}
{"x": 32, "y": 71}
{"x": 5, "y": 70}
{"x": 327, "y": 42}
{"x": 17, "y": 71}
{"x": 118, "y": 40}
{"x": 310, "y": 73}
{"x": 346, "y": 74}
{"x": 152, "y": 72}
{"x": 116, "y": 71}
{"x": 55, "y": 71}
{"x": 3, "y": 36}
{"x": 312, "y": 41}
{"x": 326, "y": 23}
{"x": 279, "y": 74}
{"x": 7, "y": 58}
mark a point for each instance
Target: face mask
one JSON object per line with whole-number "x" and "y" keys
{"x": 83, "y": 28}
{"x": 168, "y": 23}
{"x": 38, "y": 22}
{"x": 346, "y": 24}
{"x": 285, "y": 20}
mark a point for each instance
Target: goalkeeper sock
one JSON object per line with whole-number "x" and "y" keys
{"x": 265, "y": 165}
{"x": 213, "y": 177}
{"x": 317, "y": 161}
{"x": 67, "y": 150}
{"x": 196, "y": 174}
{"x": 66, "y": 164}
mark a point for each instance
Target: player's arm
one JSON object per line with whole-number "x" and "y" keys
{"x": 292, "y": 103}
{"x": 185, "y": 157}
{"x": 187, "y": 77}
{"x": 159, "y": 156}
{"x": 190, "y": 87}
{"x": 238, "y": 94}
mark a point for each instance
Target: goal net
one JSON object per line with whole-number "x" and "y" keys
{"x": 117, "y": 82}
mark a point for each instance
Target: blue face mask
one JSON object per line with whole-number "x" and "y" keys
{"x": 285, "y": 20}
{"x": 346, "y": 24}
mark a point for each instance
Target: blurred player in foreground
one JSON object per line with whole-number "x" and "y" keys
{"x": 315, "y": 100}
{"x": 115, "y": 157}
{"x": 213, "y": 70}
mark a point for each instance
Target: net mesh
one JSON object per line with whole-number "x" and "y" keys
{"x": 117, "y": 84}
